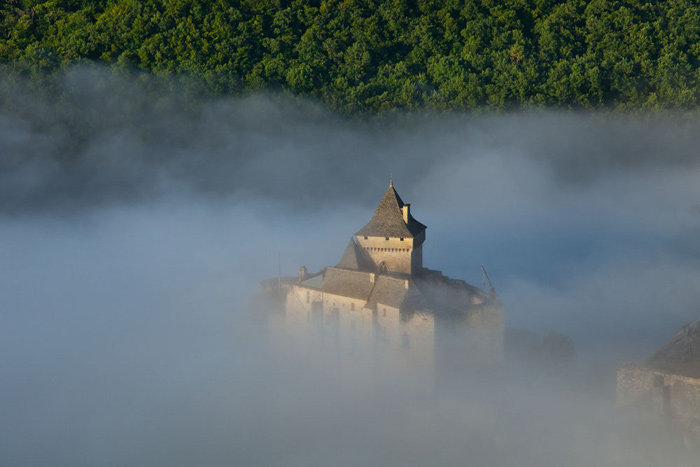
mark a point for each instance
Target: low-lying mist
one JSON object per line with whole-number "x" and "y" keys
{"x": 136, "y": 224}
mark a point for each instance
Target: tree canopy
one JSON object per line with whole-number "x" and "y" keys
{"x": 378, "y": 55}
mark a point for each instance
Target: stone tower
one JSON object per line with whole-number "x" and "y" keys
{"x": 392, "y": 241}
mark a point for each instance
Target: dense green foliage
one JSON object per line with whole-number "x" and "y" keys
{"x": 359, "y": 55}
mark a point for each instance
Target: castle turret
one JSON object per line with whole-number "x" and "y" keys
{"x": 392, "y": 241}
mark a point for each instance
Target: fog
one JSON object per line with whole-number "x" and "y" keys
{"x": 136, "y": 222}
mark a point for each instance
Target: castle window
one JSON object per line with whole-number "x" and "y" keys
{"x": 365, "y": 238}
{"x": 402, "y": 239}
{"x": 307, "y": 296}
{"x": 385, "y": 312}
{"x": 386, "y": 238}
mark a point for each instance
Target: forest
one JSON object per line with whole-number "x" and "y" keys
{"x": 359, "y": 56}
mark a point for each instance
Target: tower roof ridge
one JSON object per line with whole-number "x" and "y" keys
{"x": 351, "y": 259}
{"x": 388, "y": 219}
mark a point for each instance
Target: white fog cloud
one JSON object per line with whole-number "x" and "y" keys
{"x": 135, "y": 225}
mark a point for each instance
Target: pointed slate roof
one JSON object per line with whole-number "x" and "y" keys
{"x": 351, "y": 258}
{"x": 387, "y": 220}
{"x": 392, "y": 291}
{"x": 388, "y": 291}
{"x": 438, "y": 295}
{"x": 447, "y": 295}
{"x": 681, "y": 354}
{"x": 353, "y": 284}
{"x": 315, "y": 281}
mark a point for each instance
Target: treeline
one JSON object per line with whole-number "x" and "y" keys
{"x": 370, "y": 55}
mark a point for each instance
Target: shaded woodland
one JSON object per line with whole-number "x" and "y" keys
{"x": 380, "y": 55}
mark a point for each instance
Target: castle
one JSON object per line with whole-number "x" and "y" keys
{"x": 380, "y": 303}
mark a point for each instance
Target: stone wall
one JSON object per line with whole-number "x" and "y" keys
{"x": 329, "y": 329}
{"x": 411, "y": 346}
{"x": 398, "y": 255}
{"x": 655, "y": 393}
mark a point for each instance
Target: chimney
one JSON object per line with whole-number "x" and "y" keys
{"x": 406, "y": 211}
{"x": 302, "y": 273}
{"x": 406, "y": 284}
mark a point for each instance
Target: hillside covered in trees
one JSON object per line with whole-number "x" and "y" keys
{"x": 374, "y": 55}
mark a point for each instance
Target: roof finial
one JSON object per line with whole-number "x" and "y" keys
{"x": 391, "y": 180}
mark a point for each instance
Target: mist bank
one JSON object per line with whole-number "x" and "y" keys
{"x": 135, "y": 228}
{"x": 127, "y": 339}
{"x": 93, "y": 137}
{"x": 555, "y": 205}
